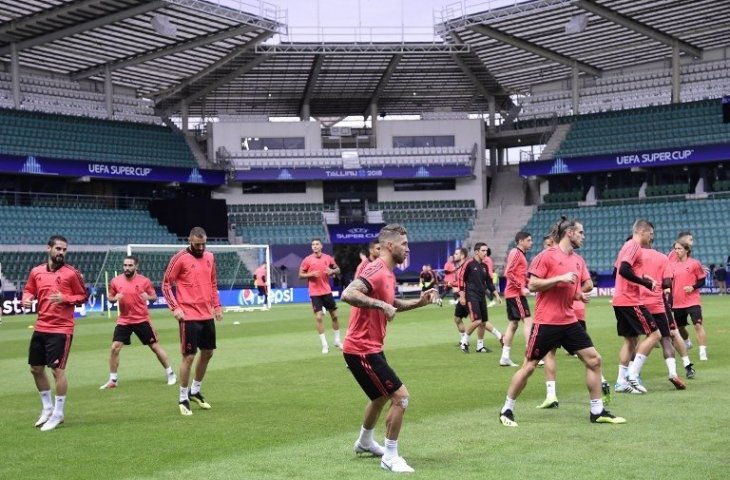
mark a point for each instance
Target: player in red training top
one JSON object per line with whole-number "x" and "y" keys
{"x": 515, "y": 292}
{"x": 259, "y": 281}
{"x": 460, "y": 258}
{"x": 372, "y": 296}
{"x": 684, "y": 236}
{"x": 449, "y": 275}
{"x": 688, "y": 278}
{"x": 317, "y": 268}
{"x": 656, "y": 265}
{"x": 57, "y": 288}
{"x": 632, "y": 318}
{"x": 132, "y": 290}
{"x": 560, "y": 276}
{"x": 373, "y": 254}
{"x": 194, "y": 303}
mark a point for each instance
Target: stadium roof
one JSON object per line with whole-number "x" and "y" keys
{"x": 223, "y": 60}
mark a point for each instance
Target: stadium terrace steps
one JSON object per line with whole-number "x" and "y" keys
{"x": 561, "y": 131}
{"x": 79, "y": 138}
{"x": 430, "y": 220}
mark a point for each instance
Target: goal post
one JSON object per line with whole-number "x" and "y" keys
{"x": 235, "y": 266}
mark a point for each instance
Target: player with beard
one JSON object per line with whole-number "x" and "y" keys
{"x": 132, "y": 290}
{"x": 372, "y": 296}
{"x": 561, "y": 277}
{"x": 194, "y": 303}
{"x": 57, "y": 288}
{"x": 460, "y": 311}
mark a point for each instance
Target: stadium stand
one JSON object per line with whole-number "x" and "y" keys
{"x": 432, "y": 219}
{"x": 79, "y": 138}
{"x": 608, "y": 226}
{"x": 282, "y": 223}
{"x": 677, "y": 125}
{"x": 366, "y": 157}
{"x": 83, "y": 226}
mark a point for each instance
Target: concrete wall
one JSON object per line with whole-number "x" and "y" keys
{"x": 229, "y": 134}
{"x": 466, "y": 133}
{"x": 232, "y": 194}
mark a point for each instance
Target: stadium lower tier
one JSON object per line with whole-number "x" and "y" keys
{"x": 607, "y": 227}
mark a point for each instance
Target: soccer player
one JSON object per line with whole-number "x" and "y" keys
{"x": 632, "y": 318}
{"x": 490, "y": 269}
{"x": 560, "y": 276}
{"x": 474, "y": 282}
{"x": 56, "y": 287}
{"x": 427, "y": 278}
{"x": 656, "y": 265}
{"x": 259, "y": 281}
{"x": 515, "y": 293}
{"x": 460, "y": 311}
{"x": 132, "y": 291}
{"x": 317, "y": 268}
{"x": 688, "y": 278}
{"x": 686, "y": 237}
{"x": 195, "y": 303}
{"x": 373, "y": 254}
{"x": 449, "y": 274}
{"x": 372, "y": 296}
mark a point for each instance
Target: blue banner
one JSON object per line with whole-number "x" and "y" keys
{"x": 303, "y": 174}
{"x": 120, "y": 171}
{"x": 362, "y": 233}
{"x": 627, "y": 160}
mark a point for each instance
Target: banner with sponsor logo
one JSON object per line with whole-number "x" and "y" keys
{"x": 627, "y": 160}
{"x": 361, "y": 233}
{"x": 305, "y": 174}
{"x": 110, "y": 170}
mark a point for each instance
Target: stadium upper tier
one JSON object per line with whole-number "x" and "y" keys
{"x": 82, "y": 226}
{"x": 670, "y": 126}
{"x": 365, "y": 157}
{"x": 607, "y": 227}
{"x": 78, "y": 138}
{"x": 282, "y": 223}
{"x": 16, "y": 266}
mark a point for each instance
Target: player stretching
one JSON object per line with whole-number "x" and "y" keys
{"x": 317, "y": 268}
{"x": 372, "y": 296}
{"x": 560, "y": 276}
{"x": 516, "y": 294}
{"x": 133, "y": 290}
{"x": 195, "y": 303}
{"x": 57, "y": 287}
{"x": 632, "y": 318}
{"x": 688, "y": 278}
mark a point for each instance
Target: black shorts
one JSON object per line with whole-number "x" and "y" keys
{"x": 583, "y": 324}
{"x": 545, "y": 338}
{"x": 633, "y": 321}
{"x": 144, "y": 331}
{"x": 517, "y": 308}
{"x": 694, "y": 312}
{"x": 477, "y": 308}
{"x": 50, "y": 349}
{"x": 373, "y": 373}
{"x": 327, "y": 301}
{"x": 664, "y": 324}
{"x": 197, "y": 334}
{"x": 460, "y": 311}
{"x": 262, "y": 290}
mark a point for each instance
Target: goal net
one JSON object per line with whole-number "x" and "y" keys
{"x": 235, "y": 267}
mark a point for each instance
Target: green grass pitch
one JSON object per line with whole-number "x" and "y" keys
{"x": 282, "y": 410}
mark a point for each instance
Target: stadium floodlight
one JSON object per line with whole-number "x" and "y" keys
{"x": 235, "y": 265}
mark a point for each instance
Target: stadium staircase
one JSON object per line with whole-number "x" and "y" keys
{"x": 561, "y": 131}
{"x": 505, "y": 216}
